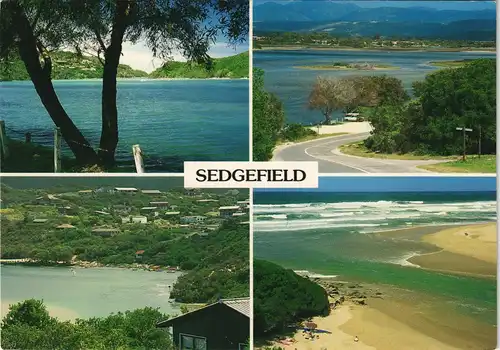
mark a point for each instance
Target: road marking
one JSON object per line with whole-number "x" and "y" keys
{"x": 335, "y": 162}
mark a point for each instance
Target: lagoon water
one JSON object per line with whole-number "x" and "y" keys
{"x": 335, "y": 234}
{"x": 172, "y": 120}
{"x": 293, "y": 85}
{"x": 91, "y": 292}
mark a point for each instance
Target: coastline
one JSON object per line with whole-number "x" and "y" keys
{"x": 90, "y": 264}
{"x": 141, "y": 79}
{"x": 468, "y": 249}
{"x": 384, "y": 317}
{"x": 292, "y": 48}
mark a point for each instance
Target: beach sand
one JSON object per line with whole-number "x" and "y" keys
{"x": 61, "y": 313}
{"x": 392, "y": 324}
{"x": 466, "y": 249}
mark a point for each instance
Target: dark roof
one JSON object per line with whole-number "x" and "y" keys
{"x": 241, "y": 305}
{"x": 139, "y": 252}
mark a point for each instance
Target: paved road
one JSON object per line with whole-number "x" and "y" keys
{"x": 331, "y": 160}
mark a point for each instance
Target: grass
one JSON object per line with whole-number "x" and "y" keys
{"x": 358, "y": 149}
{"x": 449, "y": 64}
{"x": 347, "y": 67}
{"x": 309, "y": 138}
{"x": 472, "y": 164}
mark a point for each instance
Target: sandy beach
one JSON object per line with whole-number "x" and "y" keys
{"x": 465, "y": 249}
{"x": 391, "y": 324}
{"x": 61, "y": 313}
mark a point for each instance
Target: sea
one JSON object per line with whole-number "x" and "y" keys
{"x": 172, "y": 120}
{"x": 336, "y": 234}
{"x": 91, "y": 292}
{"x": 293, "y": 85}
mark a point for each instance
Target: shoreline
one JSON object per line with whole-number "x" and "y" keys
{"x": 465, "y": 249}
{"x": 292, "y": 48}
{"x": 385, "y": 317}
{"x": 90, "y": 264}
{"x": 132, "y": 79}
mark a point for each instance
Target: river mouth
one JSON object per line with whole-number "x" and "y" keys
{"x": 90, "y": 292}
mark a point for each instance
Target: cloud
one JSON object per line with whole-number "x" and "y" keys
{"x": 139, "y": 56}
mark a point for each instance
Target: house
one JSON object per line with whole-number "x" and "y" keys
{"x": 100, "y": 212}
{"x": 138, "y": 254}
{"x": 352, "y": 117}
{"x": 40, "y": 221}
{"x": 207, "y": 200}
{"x": 243, "y": 204}
{"x": 66, "y": 210}
{"x": 65, "y": 226}
{"x": 192, "y": 219}
{"x": 148, "y": 210}
{"x": 85, "y": 192}
{"x": 159, "y": 205}
{"x": 227, "y": 212}
{"x": 239, "y": 214}
{"x": 126, "y": 219}
{"x": 105, "y": 231}
{"x": 139, "y": 219}
{"x": 44, "y": 200}
{"x": 125, "y": 189}
{"x": 151, "y": 192}
{"x": 172, "y": 213}
{"x": 122, "y": 209}
{"x": 221, "y": 325}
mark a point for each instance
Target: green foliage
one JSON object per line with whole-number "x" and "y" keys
{"x": 236, "y": 66}
{"x": 268, "y": 118}
{"x": 221, "y": 269}
{"x": 282, "y": 297}
{"x": 67, "y": 65}
{"x": 28, "y": 326}
{"x": 296, "y": 132}
{"x": 446, "y": 99}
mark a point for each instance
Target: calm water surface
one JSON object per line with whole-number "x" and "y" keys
{"x": 172, "y": 121}
{"x": 293, "y": 85}
{"x": 92, "y": 291}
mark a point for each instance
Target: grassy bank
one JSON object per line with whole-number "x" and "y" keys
{"x": 350, "y": 66}
{"x": 450, "y": 64}
{"x": 451, "y": 164}
{"x": 472, "y": 164}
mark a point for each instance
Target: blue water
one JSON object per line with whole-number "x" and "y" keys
{"x": 173, "y": 121}
{"x": 293, "y": 85}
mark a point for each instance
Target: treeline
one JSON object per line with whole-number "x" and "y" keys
{"x": 28, "y": 326}
{"x": 236, "y": 66}
{"x": 444, "y": 100}
{"x": 69, "y": 65}
{"x": 331, "y": 39}
{"x": 268, "y": 118}
{"x": 282, "y": 297}
{"x": 66, "y": 65}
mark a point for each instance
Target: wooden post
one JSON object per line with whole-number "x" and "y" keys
{"x": 479, "y": 142}
{"x": 57, "y": 150}
{"x": 139, "y": 164}
{"x": 3, "y": 140}
{"x": 463, "y": 157}
{"x": 27, "y": 137}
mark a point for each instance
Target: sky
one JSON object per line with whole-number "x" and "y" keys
{"x": 139, "y": 56}
{"x": 397, "y": 184}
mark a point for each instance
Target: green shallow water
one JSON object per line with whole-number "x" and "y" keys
{"x": 355, "y": 252}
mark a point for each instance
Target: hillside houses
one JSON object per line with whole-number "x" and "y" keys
{"x": 126, "y": 189}
{"x": 192, "y": 219}
{"x": 105, "y": 231}
{"x": 151, "y": 192}
{"x": 159, "y": 205}
{"x": 228, "y": 211}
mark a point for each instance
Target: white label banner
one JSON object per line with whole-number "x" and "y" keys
{"x": 250, "y": 174}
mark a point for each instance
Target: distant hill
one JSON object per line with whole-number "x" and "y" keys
{"x": 236, "y": 66}
{"x": 335, "y": 11}
{"x": 350, "y": 19}
{"x": 67, "y": 65}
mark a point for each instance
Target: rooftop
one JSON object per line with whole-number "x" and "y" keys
{"x": 230, "y": 207}
{"x": 172, "y": 213}
{"x": 126, "y": 189}
{"x": 65, "y": 226}
{"x": 148, "y": 208}
{"x": 241, "y": 305}
{"x": 151, "y": 191}
{"x": 105, "y": 229}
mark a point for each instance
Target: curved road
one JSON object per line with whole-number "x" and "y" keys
{"x": 331, "y": 160}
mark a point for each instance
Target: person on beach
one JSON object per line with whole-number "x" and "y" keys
{"x": 356, "y": 339}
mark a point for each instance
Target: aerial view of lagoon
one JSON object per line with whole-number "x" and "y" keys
{"x": 293, "y": 85}
{"x": 172, "y": 120}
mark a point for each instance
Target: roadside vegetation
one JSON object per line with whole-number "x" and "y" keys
{"x": 268, "y": 118}
{"x": 472, "y": 164}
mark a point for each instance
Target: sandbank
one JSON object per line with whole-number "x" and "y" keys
{"x": 467, "y": 249}
{"x": 346, "y": 68}
{"x": 61, "y": 313}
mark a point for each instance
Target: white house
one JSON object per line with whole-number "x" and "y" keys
{"x": 126, "y": 189}
{"x": 139, "y": 219}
